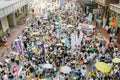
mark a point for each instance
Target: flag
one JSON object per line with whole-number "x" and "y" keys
{"x": 62, "y": 3}
{"x": 66, "y": 42}
{"x": 40, "y": 46}
{"x": 58, "y": 32}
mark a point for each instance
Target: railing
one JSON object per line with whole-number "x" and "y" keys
{"x": 11, "y": 8}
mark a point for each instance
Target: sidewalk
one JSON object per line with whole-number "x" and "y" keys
{"x": 13, "y": 33}
{"x": 106, "y": 35}
{"x": 104, "y": 32}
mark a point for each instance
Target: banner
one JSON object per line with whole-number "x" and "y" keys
{"x": 85, "y": 26}
{"x": 66, "y": 42}
{"x": 62, "y": 3}
{"x": 90, "y": 16}
{"x": 58, "y": 33}
{"x": 19, "y": 46}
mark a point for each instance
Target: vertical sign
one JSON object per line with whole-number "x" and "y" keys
{"x": 19, "y": 46}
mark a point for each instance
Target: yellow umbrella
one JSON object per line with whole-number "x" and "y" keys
{"x": 31, "y": 34}
{"x": 90, "y": 73}
{"x": 116, "y": 60}
{"x": 63, "y": 40}
{"x": 103, "y": 67}
{"x": 34, "y": 49}
{"x": 35, "y": 33}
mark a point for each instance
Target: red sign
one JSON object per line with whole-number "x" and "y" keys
{"x": 97, "y": 11}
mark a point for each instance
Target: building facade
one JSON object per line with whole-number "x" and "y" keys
{"x": 115, "y": 12}
{"x": 104, "y": 5}
{"x": 111, "y": 15}
{"x": 11, "y": 12}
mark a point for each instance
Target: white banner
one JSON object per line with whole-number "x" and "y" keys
{"x": 85, "y": 26}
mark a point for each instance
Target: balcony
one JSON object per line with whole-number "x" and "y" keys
{"x": 115, "y": 8}
{"x": 9, "y": 6}
{"x": 106, "y": 2}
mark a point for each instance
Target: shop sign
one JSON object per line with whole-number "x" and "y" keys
{"x": 97, "y": 11}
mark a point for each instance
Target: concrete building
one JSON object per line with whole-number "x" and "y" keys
{"x": 104, "y": 5}
{"x": 11, "y": 12}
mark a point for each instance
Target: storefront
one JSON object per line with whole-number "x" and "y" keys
{"x": 115, "y": 11}
{"x": 104, "y": 5}
{"x": 87, "y": 6}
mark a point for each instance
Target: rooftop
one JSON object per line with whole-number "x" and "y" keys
{"x": 6, "y": 3}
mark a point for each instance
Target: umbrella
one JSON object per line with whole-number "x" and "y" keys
{"x": 47, "y": 66}
{"x": 64, "y": 24}
{"x": 35, "y": 33}
{"x": 65, "y": 69}
{"x": 74, "y": 62}
{"x": 103, "y": 67}
{"x": 116, "y": 60}
{"x": 87, "y": 38}
{"x": 34, "y": 49}
{"x": 14, "y": 53}
{"x": 70, "y": 26}
{"x": 63, "y": 40}
{"x": 56, "y": 23}
{"x": 1, "y": 63}
{"x": 58, "y": 44}
{"x": 71, "y": 16}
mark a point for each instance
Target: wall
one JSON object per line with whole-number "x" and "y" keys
{"x": 4, "y": 24}
{"x": 112, "y": 1}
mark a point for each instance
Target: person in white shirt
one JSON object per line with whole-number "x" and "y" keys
{"x": 54, "y": 77}
{"x": 5, "y": 77}
{"x": 62, "y": 76}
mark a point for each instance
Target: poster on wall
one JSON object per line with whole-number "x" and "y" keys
{"x": 112, "y": 22}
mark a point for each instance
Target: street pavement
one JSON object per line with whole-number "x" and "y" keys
{"x": 13, "y": 33}
{"x": 106, "y": 35}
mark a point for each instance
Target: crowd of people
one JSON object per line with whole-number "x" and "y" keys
{"x": 56, "y": 41}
